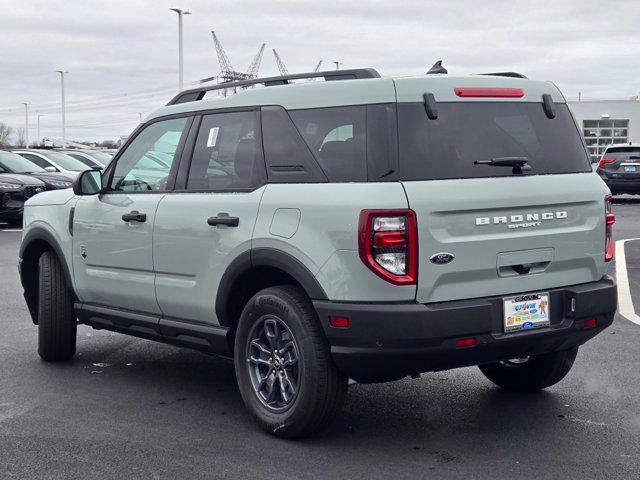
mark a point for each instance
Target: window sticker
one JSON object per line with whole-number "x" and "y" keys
{"x": 213, "y": 136}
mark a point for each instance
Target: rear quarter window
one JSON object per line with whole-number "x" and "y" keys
{"x": 464, "y": 132}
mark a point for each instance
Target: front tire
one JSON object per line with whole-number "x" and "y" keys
{"x": 285, "y": 373}
{"x": 531, "y": 374}
{"x": 56, "y": 319}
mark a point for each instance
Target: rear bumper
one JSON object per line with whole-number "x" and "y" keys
{"x": 392, "y": 340}
{"x": 623, "y": 185}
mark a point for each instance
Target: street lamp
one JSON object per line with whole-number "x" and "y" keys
{"x": 180, "y": 62}
{"x": 26, "y": 124}
{"x": 38, "y": 129}
{"x": 337, "y": 64}
{"x": 64, "y": 133}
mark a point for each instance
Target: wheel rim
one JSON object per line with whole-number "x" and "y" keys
{"x": 273, "y": 363}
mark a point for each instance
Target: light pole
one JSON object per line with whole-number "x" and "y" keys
{"x": 38, "y": 129}
{"x": 180, "y": 62}
{"x": 337, "y": 64}
{"x": 26, "y": 124}
{"x": 64, "y": 133}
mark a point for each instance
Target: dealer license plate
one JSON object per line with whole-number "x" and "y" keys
{"x": 525, "y": 312}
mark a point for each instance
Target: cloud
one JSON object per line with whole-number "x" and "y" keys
{"x": 115, "y": 47}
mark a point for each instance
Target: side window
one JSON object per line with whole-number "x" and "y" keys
{"x": 287, "y": 156}
{"x": 36, "y": 159}
{"x": 337, "y": 138}
{"x": 228, "y": 153}
{"x": 147, "y": 160}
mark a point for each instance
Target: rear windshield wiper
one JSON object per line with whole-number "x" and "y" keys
{"x": 519, "y": 164}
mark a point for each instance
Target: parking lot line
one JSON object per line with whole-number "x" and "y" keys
{"x": 10, "y": 230}
{"x": 625, "y": 303}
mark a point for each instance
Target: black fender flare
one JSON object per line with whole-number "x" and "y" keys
{"x": 265, "y": 257}
{"x": 28, "y": 267}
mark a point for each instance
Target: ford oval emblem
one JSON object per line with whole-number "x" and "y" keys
{"x": 442, "y": 258}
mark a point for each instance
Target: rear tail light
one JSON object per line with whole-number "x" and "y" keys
{"x": 589, "y": 323}
{"x": 388, "y": 244}
{"x": 605, "y": 160}
{"x": 609, "y": 220}
{"x": 489, "y": 92}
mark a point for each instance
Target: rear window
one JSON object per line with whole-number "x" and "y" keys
{"x": 623, "y": 153}
{"x": 465, "y": 132}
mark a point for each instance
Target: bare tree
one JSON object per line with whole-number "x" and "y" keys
{"x": 20, "y": 137}
{"x": 5, "y": 133}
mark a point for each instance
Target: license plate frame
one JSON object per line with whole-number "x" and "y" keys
{"x": 525, "y": 312}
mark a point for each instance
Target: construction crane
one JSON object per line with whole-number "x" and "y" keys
{"x": 282, "y": 67}
{"x": 280, "y": 63}
{"x": 227, "y": 72}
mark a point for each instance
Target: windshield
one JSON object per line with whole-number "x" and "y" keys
{"x": 469, "y": 132}
{"x": 14, "y": 163}
{"x": 65, "y": 161}
{"x": 101, "y": 157}
{"x": 622, "y": 153}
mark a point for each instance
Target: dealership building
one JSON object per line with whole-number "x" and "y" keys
{"x": 607, "y": 122}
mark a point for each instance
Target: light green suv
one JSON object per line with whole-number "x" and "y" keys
{"x": 362, "y": 227}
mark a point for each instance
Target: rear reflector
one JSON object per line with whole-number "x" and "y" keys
{"x": 339, "y": 322}
{"x": 465, "y": 342}
{"x": 489, "y": 92}
{"x": 589, "y": 323}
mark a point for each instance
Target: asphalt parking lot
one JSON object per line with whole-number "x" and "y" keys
{"x": 127, "y": 408}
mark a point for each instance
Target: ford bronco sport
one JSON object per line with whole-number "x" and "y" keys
{"x": 362, "y": 227}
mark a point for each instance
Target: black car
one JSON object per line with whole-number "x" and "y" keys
{"x": 619, "y": 167}
{"x": 14, "y": 163}
{"x": 15, "y": 189}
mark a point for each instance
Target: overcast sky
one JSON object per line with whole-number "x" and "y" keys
{"x": 113, "y": 48}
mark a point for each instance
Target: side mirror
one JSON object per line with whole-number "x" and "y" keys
{"x": 88, "y": 182}
{"x": 50, "y": 169}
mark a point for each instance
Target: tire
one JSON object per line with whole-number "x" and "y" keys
{"x": 56, "y": 318}
{"x": 320, "y": 389}
{"x": 534, "y": 374}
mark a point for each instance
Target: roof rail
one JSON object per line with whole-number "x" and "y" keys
{"x": 196, "y": 94}
{"x": 504, "y": 74}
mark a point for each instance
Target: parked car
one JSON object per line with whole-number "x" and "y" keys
{"x": 13, "y": 163}
{"x": 89, "y": 160}
{"x": 14, "y": 191}
{"x": 619, "y": 167}
{"x": 53, "y": 161}
{"x": 366, "y": 228}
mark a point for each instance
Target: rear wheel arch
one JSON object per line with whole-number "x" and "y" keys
{"x": 34, "y": 244}
{"x": 255, "y": 270}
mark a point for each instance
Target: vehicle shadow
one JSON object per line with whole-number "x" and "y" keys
{"x": 445, "y": 408}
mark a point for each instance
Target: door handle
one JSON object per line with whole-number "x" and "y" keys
{"x": 134, "y": 216}
{"x": 223, "y": 219}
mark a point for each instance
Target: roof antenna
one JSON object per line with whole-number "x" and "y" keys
{"x": 437, "y": 68}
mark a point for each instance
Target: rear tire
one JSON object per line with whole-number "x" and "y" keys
{"x": 56, "y": 318}
{"x": 312, "y": 390}
{"x": 536, "y": 373}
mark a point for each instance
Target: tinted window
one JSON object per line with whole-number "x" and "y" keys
{"x": 287, "y": 156}
{"x": 41, "y": 162}
{"x": 135, "y": 171}
{"x": 86, "y": 161}
{"x": 465, "y": 132}
{"x": 227, "y": 153}
{"x": 14, "y": 163}
{"x": 623, "y": 153}
{"x": 337, "y": 138}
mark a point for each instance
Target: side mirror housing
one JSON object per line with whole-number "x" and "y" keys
{"x": 88, "y": 182}
{"x": 50, "y": 169}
